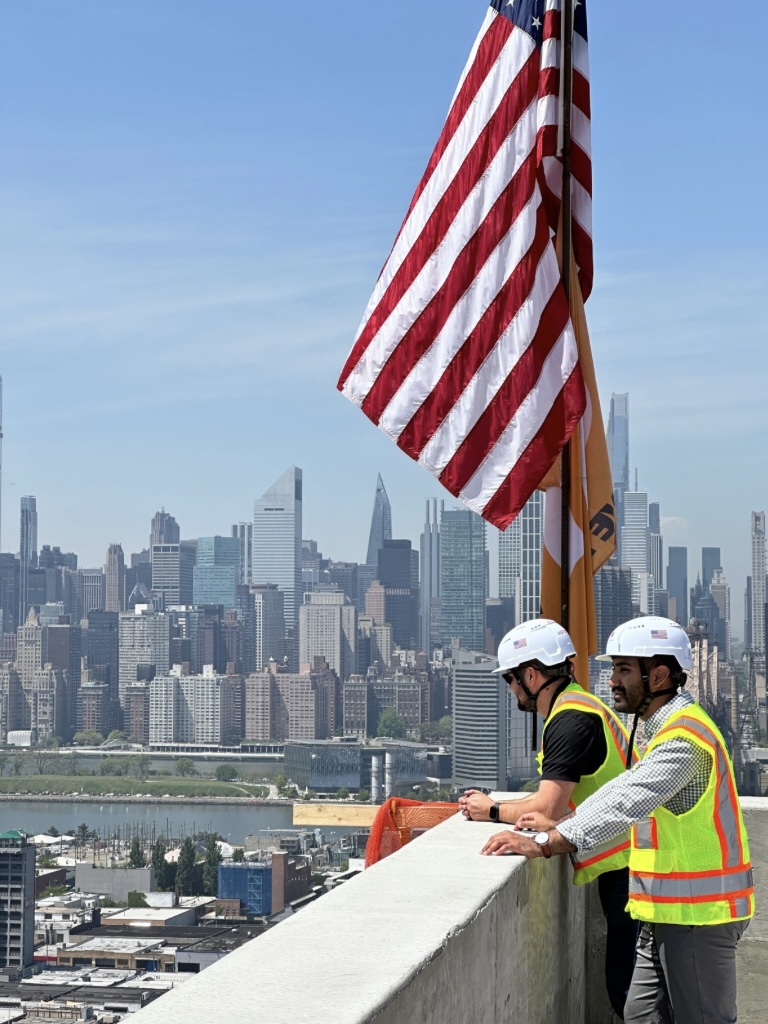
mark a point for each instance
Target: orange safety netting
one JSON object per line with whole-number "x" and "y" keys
{"x": 397, "y": 821}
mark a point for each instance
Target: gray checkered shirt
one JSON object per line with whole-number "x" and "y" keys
{"x": 674, "y": 775}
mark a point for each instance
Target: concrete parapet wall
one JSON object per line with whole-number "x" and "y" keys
{"x": 438, "y": 934}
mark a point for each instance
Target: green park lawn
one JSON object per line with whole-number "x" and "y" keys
{"x": 124, "y": 786}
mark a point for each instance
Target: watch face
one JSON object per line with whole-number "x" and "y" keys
{"x": 542, "y": 838}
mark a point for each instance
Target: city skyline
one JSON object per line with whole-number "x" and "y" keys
{"x": 168, "y": 264}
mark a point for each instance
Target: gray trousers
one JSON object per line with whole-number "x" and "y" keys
{"x": 684, "y": 974}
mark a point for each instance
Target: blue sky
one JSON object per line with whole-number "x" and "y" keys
{"x": 196, "y": 197}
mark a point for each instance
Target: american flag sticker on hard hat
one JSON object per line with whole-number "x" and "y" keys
{"x": 521, "y": 643}
{"x": 659, "y": 634}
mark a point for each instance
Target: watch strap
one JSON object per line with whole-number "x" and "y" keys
{"x": 493, "y": 812}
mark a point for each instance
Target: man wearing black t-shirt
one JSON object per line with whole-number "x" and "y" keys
{"x": 583, "y": 746}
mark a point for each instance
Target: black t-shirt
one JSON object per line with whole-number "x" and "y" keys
{"x": 574, "y": 745}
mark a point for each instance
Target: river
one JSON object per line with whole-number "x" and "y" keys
{"x": 232, "y": 822}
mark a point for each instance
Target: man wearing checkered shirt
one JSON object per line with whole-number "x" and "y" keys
{"x": 690, "y": 872}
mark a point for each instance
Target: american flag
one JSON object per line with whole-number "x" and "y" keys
{"x": 466, "y": 356}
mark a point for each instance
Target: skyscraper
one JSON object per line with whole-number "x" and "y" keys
{"x": 710, "y": 561}
{"x": 114, "y": 579}
{"x": 164, "y": 529}
{"x": 173, "y": 567}
{"x": 277, "y": 536}
{"x": 520, "y": 559}
{"x": 429, "y": 575}
{"x": 145, "y": 645}
{"x": 217, "y": 572}
{"x": 479, "y": 722}
{"x": 677, "y": 584}
{"x": 328, "y": 629}
{"x": 656, "y": 565}
{"x": 758, "y": 583}
{"x": 398, "y": 573}
{"x": 617, "y": 439}
{"x": 636, "y": 539}
{"x": 462, "y": 585}
{"x": 381, "y": 530}
{"x": 381, "y": 523}
{"x": 27, "y": 551}
{"x": 17, "y": 899}
{"x": 244, "y": 534}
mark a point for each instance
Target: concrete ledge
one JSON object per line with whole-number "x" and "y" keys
{"x": 433, "y": 935}
{"x": 437, "y": 934}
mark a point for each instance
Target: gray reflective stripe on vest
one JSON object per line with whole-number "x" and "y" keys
{"x": 595, "y": 705}
{"x": 741, "y": 907}
{"x": 718, "y": 887}
{"x": 643, "y": 835}
{"x": 723, "y": 800}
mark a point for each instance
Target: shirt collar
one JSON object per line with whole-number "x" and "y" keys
{"x": 658, "y": 718}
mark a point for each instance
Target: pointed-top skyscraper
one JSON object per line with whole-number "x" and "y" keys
{"x": 381, "y": 530}
{"x": 381, "y": 523}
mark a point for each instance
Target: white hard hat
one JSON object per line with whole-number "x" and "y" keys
{"x": 541, "y": 640}
{"x": 649, "y": 635}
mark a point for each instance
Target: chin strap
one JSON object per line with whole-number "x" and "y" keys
{"x": 644, "y": 704}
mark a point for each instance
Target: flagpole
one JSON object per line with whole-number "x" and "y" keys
{"x": 566, "y": 71}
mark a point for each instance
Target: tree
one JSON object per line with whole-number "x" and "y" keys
{"x": 445, "y": 728}
{"x": 185, "y": 868}
{"x": 18, "y": 764}
{"x": 71, "y": 764}
{"x": 211, "y": 866}
{"x": 238, "y": 855}
{"x": 363, "y": 796}
{"x": 281, "y": 783}
{"x": 117, "y": 734}
{"x": 42, "y": 759}
{"x": 226, "y": 773}
{"x": 136, "y": 858}
{"x": 113, "y": 766}
{"x": 185, "y": 766}
{"x": 342, "y": 793}
{"x": 159, "y": 863}
{"x": 3, "y": 762}
{"x": 87, "y": 738}
{"x": 53, "y": 831}
{"x": 390, "y": 724}
{"x": 139, "y": 766}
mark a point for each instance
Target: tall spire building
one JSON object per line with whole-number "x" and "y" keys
{"x": 27, "y": 551}
{"x": 381, "y": 523}
{"x": 114, "y": 579}
{"x": 381, "y": 530}
{"x": 758, "y": 583}
{"x": 429, "y": 573}
{"x": 617, "y": 438}
{"x": 277, "y": 526}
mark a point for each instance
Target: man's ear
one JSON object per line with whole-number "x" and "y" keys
{"x": 658, "y": 678}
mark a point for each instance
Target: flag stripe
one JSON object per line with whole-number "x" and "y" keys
{"x": 455, "y": 291}
{"x": 466, "y": 356}
{"x": 476, "y": 423}
{"x": 437, "y": 401}
{"x": 561, "y": 421}
{"x": 472, "y": 149}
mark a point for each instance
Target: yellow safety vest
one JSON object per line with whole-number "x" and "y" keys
{"x": 614, "y": 854}
{"x": 693, "y": 868}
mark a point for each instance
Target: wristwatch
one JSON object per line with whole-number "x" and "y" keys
{"x": 493, "y": 812}
{"x": 542, "y": 840}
